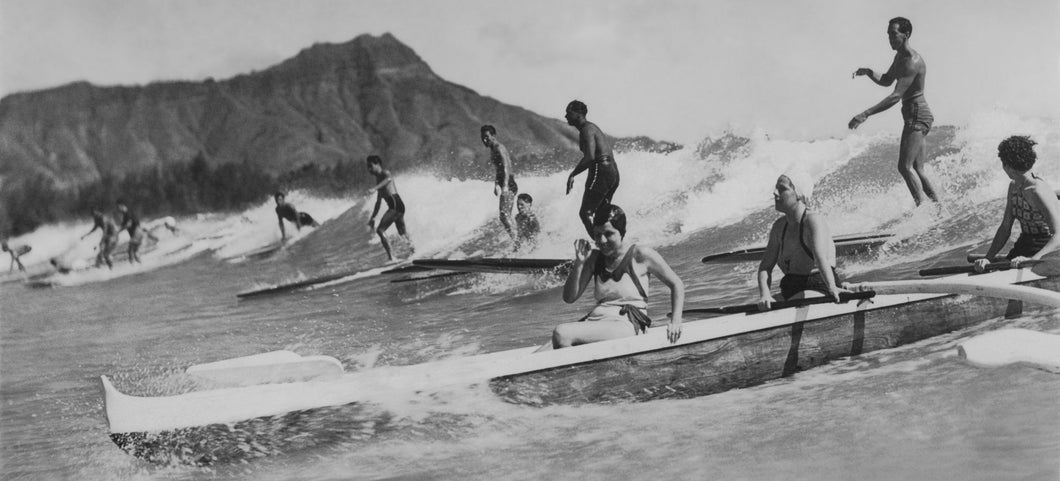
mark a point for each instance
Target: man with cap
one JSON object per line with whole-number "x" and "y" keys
{"x": 597, "y": 157}
{"x": 800, "y": 244}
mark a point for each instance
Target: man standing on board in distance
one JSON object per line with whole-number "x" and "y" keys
{"x": 910, "y": 72}
{"x": 131, "y": 222}
{"x": 109, "y": 240}
{"x": 597, "y": 157}
{"x": 395, "y": 214}
{"x": 16, "y": 252}
{"x": 504, "y": 186}
{"x": 288, "y": 212}
{"x": 1031, "y": 201}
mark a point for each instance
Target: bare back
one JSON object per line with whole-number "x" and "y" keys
{"x": 593, "y": 143}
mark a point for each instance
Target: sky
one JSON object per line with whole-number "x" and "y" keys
{"x": 671, "y": 69}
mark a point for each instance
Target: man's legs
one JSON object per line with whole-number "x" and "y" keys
{"x": 384, "y": 223}
{"x": 912, "y": 151}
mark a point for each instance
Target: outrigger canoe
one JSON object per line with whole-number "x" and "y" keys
{"x": 712, "y": 355}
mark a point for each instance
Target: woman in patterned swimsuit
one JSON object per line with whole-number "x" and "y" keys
{"x": 1031, "y": 201}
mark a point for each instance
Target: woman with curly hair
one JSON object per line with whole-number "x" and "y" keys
{"x": 1031, "y": 201}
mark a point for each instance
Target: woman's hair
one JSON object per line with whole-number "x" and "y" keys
{"x": 1017, "y": 153}
{"x": 613, "y": 214}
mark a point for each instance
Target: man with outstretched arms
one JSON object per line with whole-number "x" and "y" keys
{"x": 598, "y": 159}
{"x": 286, "y": 211}
{"x": 908, "y": 72}
{"x": 109, "y": 239}
{"x": 504, "y": 186}
{"x": 386, "y": 190}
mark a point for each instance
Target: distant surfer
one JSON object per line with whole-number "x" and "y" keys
{"x": 504, "y": 186}
{"x": 597, "y": 157}
{"x": 799, "y": 242}
{"x": 109, "y": 239}
{"x": 15, "y": 252}
{"x": 1031, "y": 201}
{"x": 910, "y": 72}
{"x": 168, "y": 222}
{"x": 131, "y": 222}
{"x": 285, "y": 211}
{"x": 526, "y": 222}
{"x": 386, "y": 190}
{"x": 619, "y": 272}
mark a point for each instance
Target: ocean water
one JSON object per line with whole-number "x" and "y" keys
{"x": 916, "y": 412}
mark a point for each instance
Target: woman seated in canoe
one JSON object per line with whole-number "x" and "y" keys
{"x": 800, "y": 244}
{"x": 619, "y": 271}
{"x": 1031, "y": 201}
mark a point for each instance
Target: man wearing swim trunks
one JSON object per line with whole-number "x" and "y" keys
{"x": 285, "y": 211}
{"x": 505, "y": 186}
{"x": 108, "y": 241}
{"x": 386, "y": 191}
{"x": 598, "y": 158}
{"x": 910, "y": 72}
{"x": 131, "y": 222}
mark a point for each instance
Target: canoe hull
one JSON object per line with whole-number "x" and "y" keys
{"x": 752, "y": 358}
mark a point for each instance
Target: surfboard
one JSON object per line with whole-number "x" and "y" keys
{"x": 492, "y": 264}
{"x": 845, "y": 245}
{"x": 394, "y": 268}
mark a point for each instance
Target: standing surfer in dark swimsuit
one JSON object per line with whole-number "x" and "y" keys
{"x": 597, "y": 157}
{"x": 131, "y": 222}
{"x": 395, "y": 213}
{"x": 505, "y": 186}
{"x": 800, "y": 243}
{"x": 109, "y": 240}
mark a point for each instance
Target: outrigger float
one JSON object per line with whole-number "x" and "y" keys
{"x": 712, "y": 355}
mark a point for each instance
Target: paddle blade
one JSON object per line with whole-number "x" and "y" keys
{"x": 1049, "y": 266}
{"x": 753, "y": 308}
{"x": 949, "y": 270}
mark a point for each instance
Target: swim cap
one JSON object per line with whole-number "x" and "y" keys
{"x": 802, "y": 182}
{"x": 169, "y": 222}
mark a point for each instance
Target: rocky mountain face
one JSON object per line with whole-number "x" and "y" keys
{"x": 329, "y": 103}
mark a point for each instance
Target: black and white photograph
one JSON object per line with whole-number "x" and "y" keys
{"x": 525, "y": 240}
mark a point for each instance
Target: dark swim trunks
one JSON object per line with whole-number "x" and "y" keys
{"x": 916, "y": 114}
{"x": 512, "y": 186}
{"x": 1028, "y": 245}
{"x": 792, "y": 284}
{"x": 306, "y": 219}
{"x": 395, "y": 214}
{"x": 600, "y": 184}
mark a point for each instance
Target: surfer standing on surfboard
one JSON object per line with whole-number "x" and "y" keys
{"x": 131, "y": 222}
{"x": 504, "y": 186}
{"x": 109, "y": 240}
{"x": 395, "y": 214}
{"x": 602, "y": 180}
{"x": 910, "y": 72}
{"x": 800, "y": 244}
{"x": 288, "y": 212}
{"x": 1031, "y": 201}
{"x": 619, "y": 272}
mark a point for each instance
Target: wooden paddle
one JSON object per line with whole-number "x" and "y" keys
{"x": 967, "y": 285}
{"x": 1048, "y": 266}
{"x": 753, "y": 308}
